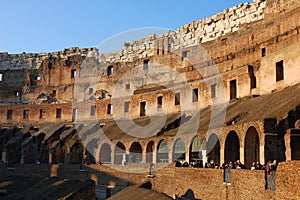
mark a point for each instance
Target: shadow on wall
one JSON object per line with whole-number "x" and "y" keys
{"x": 189, "y": 195}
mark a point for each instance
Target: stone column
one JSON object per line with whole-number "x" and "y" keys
{"x": 144, "y": 153}
{"x": 187, "y": 155}
{"x": 170, "y": 155}
{"x": 50, "y": 156}
{"x": 204, "y": 157}
{"x": 262, "y": 154}
{"x": 287, "y": 140}
{"x": 112, "y": 156}
{"x": 154, "y": 155}
{"x": 242, "y": 154}
{"x": 222, "y": 155}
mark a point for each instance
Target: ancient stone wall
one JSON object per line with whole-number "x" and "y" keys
{"x": 203, "y": 183}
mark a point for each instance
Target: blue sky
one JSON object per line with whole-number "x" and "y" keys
{"x": 46, "y": 26}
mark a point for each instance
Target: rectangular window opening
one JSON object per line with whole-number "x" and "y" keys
{"x": 109, "y": 109}
{"x": 9, "y": 114}
{"x": 279, "y": 71}
{"x": 25, "y": 114}
{"x": 42, "y": 113}
{"x": 93, "y": 110}
{"x": 195, "y": 95}
{"x": 143, "y": 108}
{"x": 126, "y": 106}
{"x": 185, "y": 54}
{"x": 73, "y": 73}
{"x": 110, "y": 70}
{"x": 159, "y": 102}
{"x": 213, "y": 91}
{"x": 263, "y": 52}
{"x": 146, "y": 64}
{"x": 37, "y": 78}
{"x": 233, "y": 89}
{"x": 252, "y": 77}
{"x": 127, "y": 86}
{"x": 58, "y": 112}
{"x": 91, "y": 90}
{"x": 75, "y": 114}
{"x": 1, "y": 77}
{"x": 177, "y": 98}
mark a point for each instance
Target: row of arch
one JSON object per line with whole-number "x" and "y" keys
{"x": 161, "y": 153}
{"x": 153, "y": 151}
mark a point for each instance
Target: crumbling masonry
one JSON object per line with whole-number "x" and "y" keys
{"x": 49, "y": 102}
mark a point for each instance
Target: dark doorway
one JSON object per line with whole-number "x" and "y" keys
{"x": 232, "y": 147}
{"x": 232, "y": 89}
{"x": 143, "y": 108}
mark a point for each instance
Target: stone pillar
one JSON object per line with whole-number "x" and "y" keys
{"x": 222, "y": 155}
{"x": 187, "y": 155}
{"x": 67, "y": 154}
{"x": 170, "y": 155}
{"x": 154, "y": 155}
{"x": 50, "y": 156}
{"x": 262, "y": 154}
{"x": 144, "y": 153}
{"x": 287, "y": 140}
{"x": 112, "y": 156}
{"x": 204, "y": 157}
{"x": 242, "y": 154}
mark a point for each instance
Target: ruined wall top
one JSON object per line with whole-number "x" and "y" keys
{"x": 204, "y": 30}
{"x": 34, "y": 60}
{"x": 225, "y": 22}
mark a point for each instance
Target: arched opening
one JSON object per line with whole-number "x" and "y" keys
{"x": 149, "y": 152}
{"x": 105, "y": 153}
{"x": 135, "y": 155}
{"x": 162, "y": 152}
{"x": 59, "y": 153}
{"x": 120, "y": 150}
{"x": 251, "y": 148}
{"x": 76, "y": 153}
{"x": 213, "y": 149}
{"x": 91, "y": 148}
{"x": 195, "y": 150}
{"x": 178, "y": 150}
{"x": 232, "y": 147}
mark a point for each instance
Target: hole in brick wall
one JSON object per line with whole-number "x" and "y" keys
{"x": 195, "y": 95}
{"x": 177, "y": 98}
{"x": 263, "y": 52}
{"x": 73, "y": 73}
{"x": 93, "y": 110}
{"x": 109, "y": 109}
{"x": 233, "y": 89}
{"x": 9, "y": 114}
{"x": 213, "y": 90}
{"x": 126, "y": 106}
{"x": 58, "y": 112}
{"x": 42, "y": 113}
{"x": 110, "y": 70}
{"x": 146, "y": 64}
{"x": 25, "y": 114}
{"x": 159, "y": 101}
{"x": 143, "y": 108}
{"x": 279, "y": 70}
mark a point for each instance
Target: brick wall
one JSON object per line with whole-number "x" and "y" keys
{"x": 205, "y": 183}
